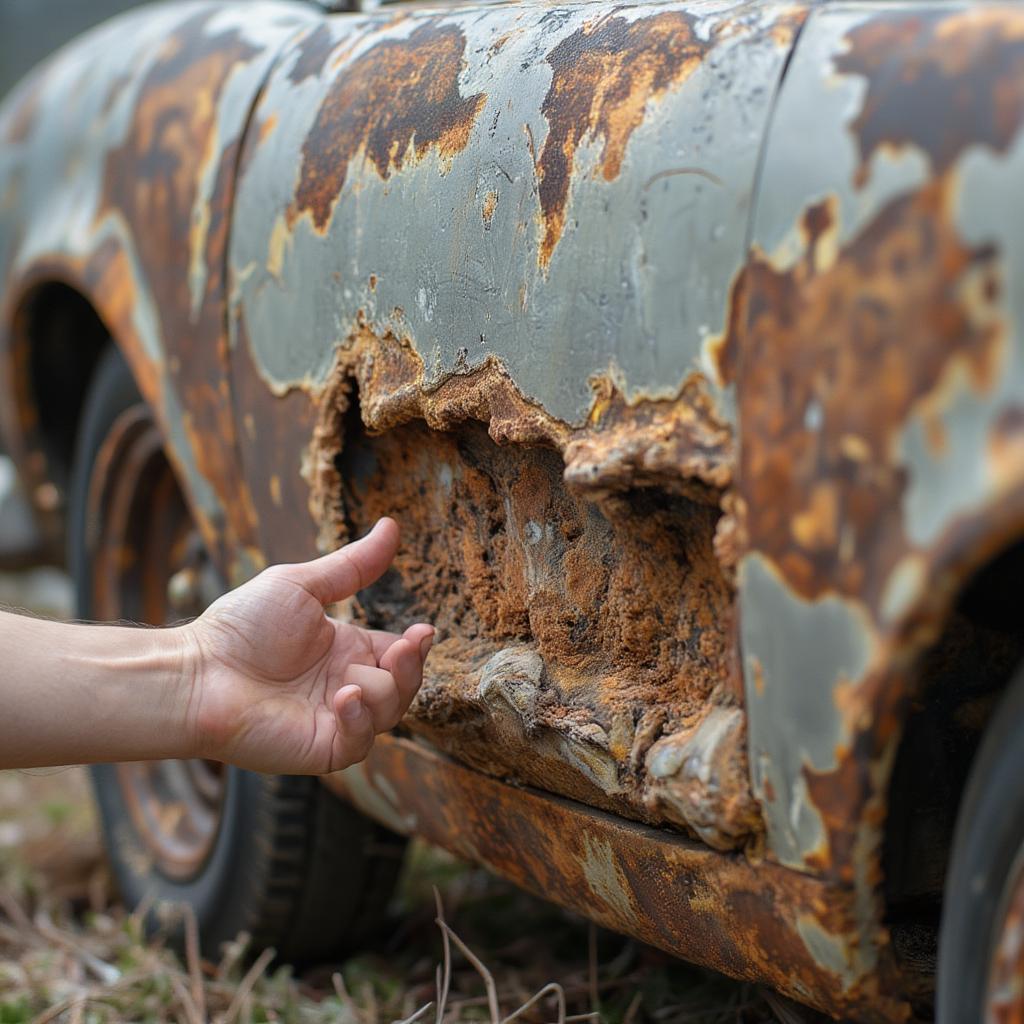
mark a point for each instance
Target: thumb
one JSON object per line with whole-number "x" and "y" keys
{"x": 341, "y": 573}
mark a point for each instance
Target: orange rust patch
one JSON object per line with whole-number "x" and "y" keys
{"x": 680, "y": 445}
{"x": 604, "y": 76}
{"x": 151, "y": 179}
{"x": 836, "y": 354}
{"x": 580, "y": 618}
{"x": 490, "y": 202}
{"x": 399, "y": 94}
{"x": 969, "y": 65}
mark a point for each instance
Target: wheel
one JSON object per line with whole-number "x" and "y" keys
{"x": 981, "y": 943}
{"x": 276, "y": 856}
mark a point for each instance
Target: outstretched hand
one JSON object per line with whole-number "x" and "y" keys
{"x": 280, "y": 687}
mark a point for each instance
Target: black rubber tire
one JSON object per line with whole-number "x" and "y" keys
{"x": 988, "y": 839}
{"x": 292, "y": 865}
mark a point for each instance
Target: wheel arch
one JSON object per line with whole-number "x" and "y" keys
{"x": 55, "y": 335}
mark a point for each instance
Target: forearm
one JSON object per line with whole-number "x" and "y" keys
{"x": 80, "y": 694}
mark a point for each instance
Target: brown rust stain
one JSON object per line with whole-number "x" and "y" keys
{"x": 604, "y": 75}
{"x": 730, "y": 913}
{"x": 152, "y": 181}
{"x": 271, "y": 447}
{"x": 401, "y": 94}
{"x": 583, "y": 616}
{"x": 312, "y": 53}
{"x": 490, "y": 202}
{"x": 968, "y": 64}
{"x": 831, "y": 358}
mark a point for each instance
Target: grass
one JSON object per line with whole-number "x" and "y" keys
{"x": 463, "y": 947}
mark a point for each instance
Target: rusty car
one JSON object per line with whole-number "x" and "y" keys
{"x": 684, "y": 339}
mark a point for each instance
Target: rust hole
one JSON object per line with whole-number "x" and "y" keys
{"x": 586, "y": 639}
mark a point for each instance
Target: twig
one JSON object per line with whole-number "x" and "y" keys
{"x": 343, "y": 994}
{"x": 14, "y": 910}
{"x": 78, "y": 1010}
{"x": 185, "y": 998}
{"x": 478, "y": 966}
{"x": 444, "y": 973}
{"x": 634, "y": 1006}
{"x": 418, "y": 1015}
{"x": 192, "y": 959}
{"x": 106, "y": 973}
{"x": 548, "y": 989}
{"x": 595, "y": 999}
{"x": 245, "y": 986}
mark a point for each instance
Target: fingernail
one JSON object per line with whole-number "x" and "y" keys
{"x": 425, "y": 644}
{"x": 352, "y": 708}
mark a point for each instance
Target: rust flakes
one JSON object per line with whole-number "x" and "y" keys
{"x": 581, "y": 616}
{"x": 968, "y": 64}
{"x": 837, "y": 352}
{"x": 401, "y": 94}
{"x": 604, "y": 75}
{"x": 681, "y": 445}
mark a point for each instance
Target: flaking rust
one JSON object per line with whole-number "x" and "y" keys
{"x": 586, "y": 628}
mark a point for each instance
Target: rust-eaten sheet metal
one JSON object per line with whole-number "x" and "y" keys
{"x": 118, "y": 178}
{"x": 527, "y": 337}
{"x": 586, "y": 627}
{"x": 749, "y": 919}
{"x": 876, "y": 350}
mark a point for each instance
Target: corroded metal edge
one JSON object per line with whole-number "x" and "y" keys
{"x": 749, "y": 919}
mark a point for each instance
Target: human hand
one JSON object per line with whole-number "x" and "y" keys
{"x": 277, "y": 686}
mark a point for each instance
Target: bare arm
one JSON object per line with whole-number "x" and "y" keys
{"x": 263, "y": 679}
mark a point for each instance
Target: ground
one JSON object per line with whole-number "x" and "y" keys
{"x": 70, "y": 952}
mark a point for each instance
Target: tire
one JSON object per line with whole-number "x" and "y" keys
{"x": 985, "y": 868}
{"x": 284, "y": 861}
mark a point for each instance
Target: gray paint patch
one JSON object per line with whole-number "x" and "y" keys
{"x": 804, "y": 650}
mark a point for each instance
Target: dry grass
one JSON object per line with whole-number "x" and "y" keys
{"x": 463, "y": 947}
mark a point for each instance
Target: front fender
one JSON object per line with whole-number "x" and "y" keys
{"x": 117, "y": 176}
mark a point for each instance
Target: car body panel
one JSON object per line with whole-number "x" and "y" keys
{"x": 542, "y": 241}
{"x": 880, "y": 379}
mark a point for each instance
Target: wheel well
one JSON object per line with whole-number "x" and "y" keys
{"x": 962, "y": 678}
{"x": 60, "y": 337}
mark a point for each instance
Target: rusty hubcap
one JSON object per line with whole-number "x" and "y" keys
{"x": 149, "y": 566}
{"x": 1004, "y": 1003}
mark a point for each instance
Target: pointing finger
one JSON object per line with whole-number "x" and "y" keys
{"x": 342, "y": 573}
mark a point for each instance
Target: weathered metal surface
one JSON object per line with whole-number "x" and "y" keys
{"x": 116, "y": 176}
{"x": 488, "y": 272}
{"x": 876, "y": 351}
{"x": 749, "y": 919}
{"x": 570, "y": 195}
